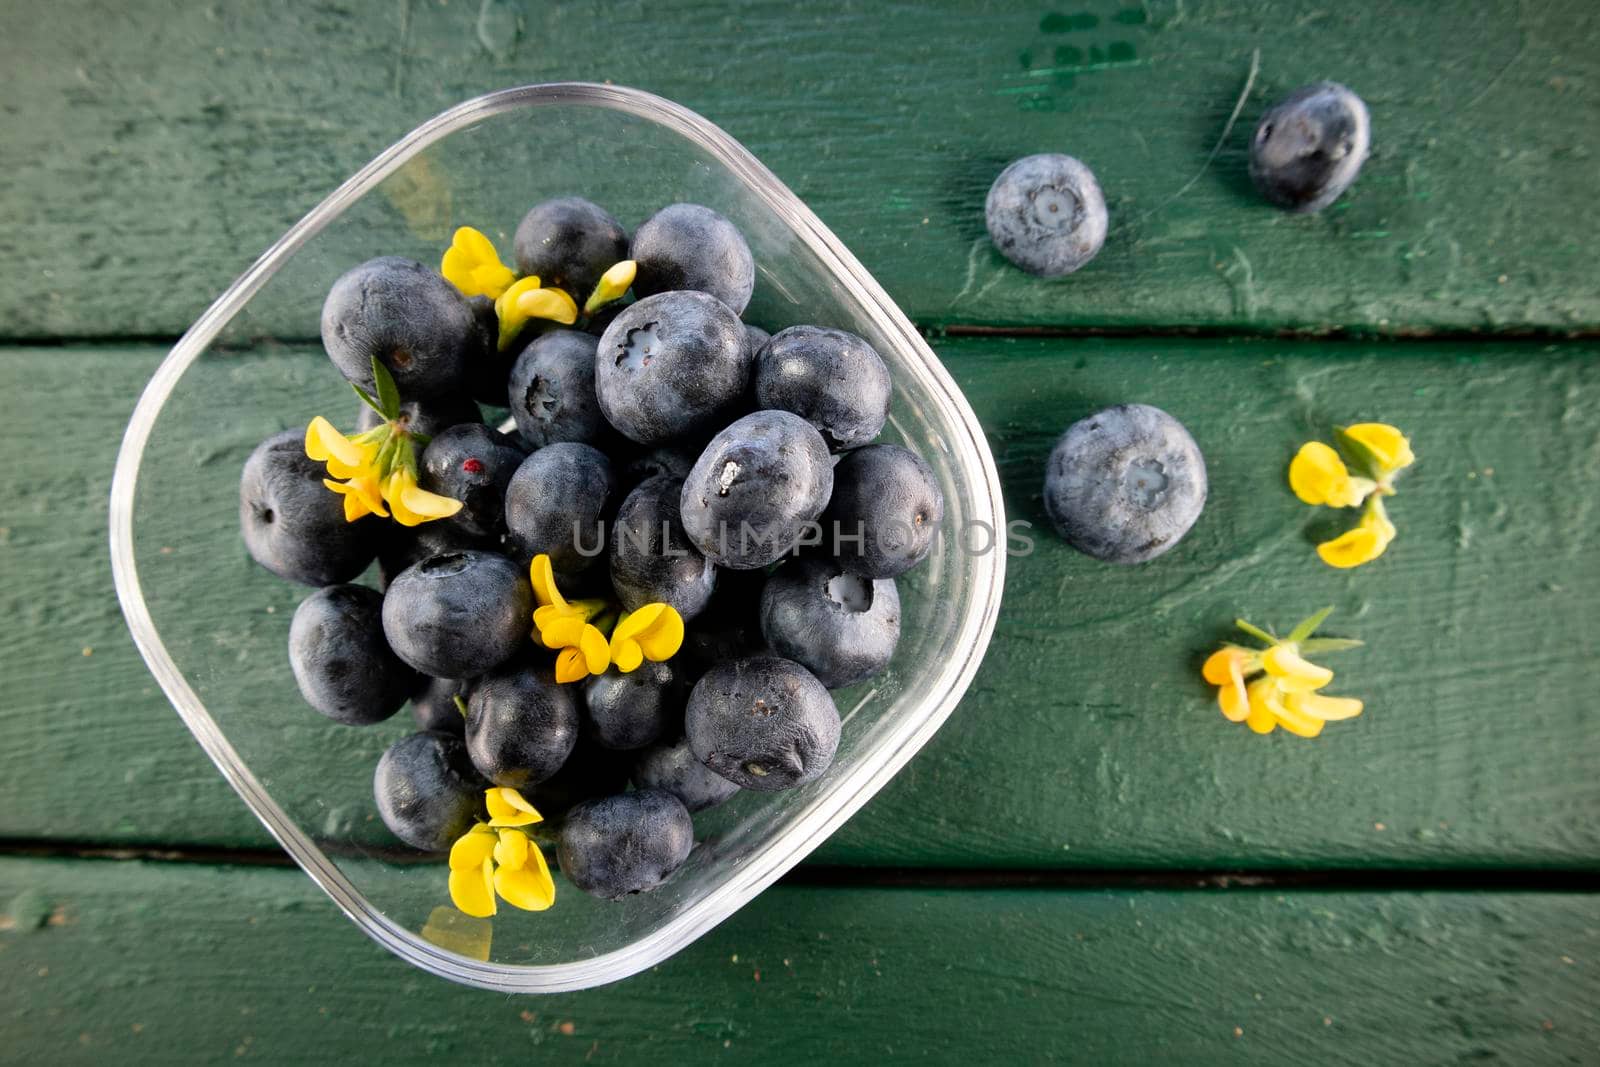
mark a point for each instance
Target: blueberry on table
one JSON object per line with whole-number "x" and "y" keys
{"x": 292, "y": 524}
{"x": 756, "y": 490}
{"x": 841, "y": 627}
{"x": 625, "y": 844}
{"x": 763, "y": 723}
{"x": 407, "y": 317}
{"x": 1124, "y": 485}
{"x": 430, "y": 417}
{"x": 434, "y": 705}
{"x": 568, "y": 243}
{"x": 1046, "y": 214}
{"x": 1309, "y": 147}
{"x": 557, "y": 503}
{"x": 832, "y": 379}
{"x": 885, "y": 511}
{"x": 670, "y": 366}
{"x": 551, "y": 391}
{"x": 688, "y": 246}
{"x": 521, "y": 725}
{"x": 631, "y": 710}
{"x": 471, "y": 463}
{"x": 652, "y": 559}
{"x": 427, "y": 791}
{"x": 674, "y": 768}
{"x": 343, "y": 665}
{"x": 458, "y": 614}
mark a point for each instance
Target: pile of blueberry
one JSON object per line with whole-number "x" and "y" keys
{"x": 664, "y": 451}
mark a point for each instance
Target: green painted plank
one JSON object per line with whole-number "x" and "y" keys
{"x": 160, "y": 146}
{"x": 1086, "y": 741}
{"x": 174, "y": 962}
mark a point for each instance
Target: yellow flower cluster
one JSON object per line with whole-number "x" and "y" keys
{"x": 1319, "y": 476}
{"x": 654, "y": 632}
{"x": 498, "y": 858}
{"x": 376, "y": 473}
{"x": 1285, "y": 694}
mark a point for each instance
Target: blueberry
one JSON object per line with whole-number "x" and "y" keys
{"x": 625, "y": 844}
{"x": 590, "y": 772}
{"x": 434, "y": 705}
{"x": 343, "y": 665}
{"x": 292, "y": 524}
{"x": 832, "y": 379}
{"x": 674, "y": 768}
{"x": 472, "y": 463}
{"x": 568, "y": 243}
{"x": 885, "y": 512}
{"x": 756, "y": 490}
{"x": 652, "y": 559}
{"x": 670, "y": 365}
{"x": 430, "y": 418}
{"x": 521, "y": 725}
{"x": 755, "y": 337}
{"x": 687, "y": 246}
{"x": 557, "y": 503}
{"x": 404, "y": 545}
{"x": 841, "y": 627}
{"x": 673, "y": 462}
{"x": 631, "y": 710}
{"x": 458, "y": 614}
{"x": 427, "y": 790}
{"x": 489, "y": 368}
{"x": 407, "y": 317}
{"x": 762, "y": 723}
{"x": 1046, "y": 214}
{"x": 1124, "y": 485}
{"x": 1309, "y": 147}
{"x": 551, "y": 391}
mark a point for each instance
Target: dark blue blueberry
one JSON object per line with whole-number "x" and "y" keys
{"x": 885, "y": 512}
{"x": 670, "y": 366}
{"x": 652, "y": 559}
{"x": 832, "y": 379}
{"x": 674, "y": 768}
{"x": 427, "y": 790}
{"x": 294, "y": 525}
{"x": 458, "y": 614}
{"x": 343, "y": 665}
{"x": 521, "y": 725}
{"x": 756, "y": 490}
{"x": 568, "y": 243}
{"x": 552, "y": 391}
{"x": 755, "y": 337}
{"x": 557, "y": 503}
{"x": 687, "y": 246}
{"x": 404, "y": 545}
{"x": 1046, "y": 214}
{"x": 631, "y": 710}
{"x": 590, "y": 772}
{"x": 407, "y": 317}
{"x": 434, "y": 705}
{"x": 1125, "y": 485}
{"x": 1309, "y": 147}
{"x": 471, "y": 463}
{"x": 841, "y": 627}
{"x": 488, "y": 368}
{"x": 430, "y": 418}
{"x": 763, "y": 723}
{"x": 625, "y": 844}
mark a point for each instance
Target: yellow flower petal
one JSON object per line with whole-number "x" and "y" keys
{"x": 627, "y": 656}
{"x": 1316, "y": 472}
{"x": 472, "y": 848}
{"x": 472, "y": 265}
{"x": 596, "y": 652}
{"x": 511, "y": 850}
{"x": 543, "y": 577}
{"x": 553, "y": 304}
{"x": 570, "y": 666}
{"x": 1234, "y": 701}
{"x": 1296, "y": 722}
{"x": 1388, "y": 444}
{"x": 507, "y": 807}
{"x": 429, "y": 505}
{"x": 654, "y": 632}
{"x": 612, "y": 285}
{"x": 462, "y": 934}
{"x": 361, "y": 497}
{"x": 345, "y": 458}
{"x": 473, "y": 891}
{"x": 530, "y": 888}
{"x": 662, "y": 641}
{"x": 1219, "y": 666}
{"x": 1293, "y": 673}
{"x": 562, "y": 631}
{"x": 1354, "y": 547}
{"x": 1261, "y": 719}
{"x": 512, "y": 318}
{"x": 1331, "y": 709}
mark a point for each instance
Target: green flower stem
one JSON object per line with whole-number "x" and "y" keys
{"x": 1255, "y": 631}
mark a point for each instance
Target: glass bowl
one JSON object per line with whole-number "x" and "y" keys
{"x": 213, "y": 626}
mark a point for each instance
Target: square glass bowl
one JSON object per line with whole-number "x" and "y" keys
{"x": 213, "y": 626}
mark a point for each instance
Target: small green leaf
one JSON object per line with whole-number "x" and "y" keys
{"x": 388, "y": 394}
{"x": 1364, "y": 459}
{"x": 1329, "y": 644}
{"x": 1255, "y": 631}
{"x": 461, "y": 705}
{"x": 1308, "y": 625}
{"x": 368, "y": 399}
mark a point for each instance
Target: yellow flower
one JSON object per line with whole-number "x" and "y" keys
{"x": 472, "y": 265}
{"x": 566, "y": 626}
{"x": 1363, "y": 544}
{"x": 1390, "y": 448}
{"x": 1285, "y": 693}
{"x": 496, "y": 859}
{"x": 412, "y": 505}
{"x": 524, "y": 300}
{"x": 611, "y": 286}
{"x": 362, "y": 496}
{"x": 654, "y": 633}
{"x": 345, "y": 458}
{"x": 1318, "y": 476}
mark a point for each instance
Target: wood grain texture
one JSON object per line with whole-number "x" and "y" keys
{"x": 154, "y": 148}
{"x": 97, "y": 956}
{"x": 1087, "y": 740}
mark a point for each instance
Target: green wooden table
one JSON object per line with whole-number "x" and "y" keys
{"x": 1087, "y": 862}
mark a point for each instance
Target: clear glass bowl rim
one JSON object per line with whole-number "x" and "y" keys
{"x": 826, "y": 812}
